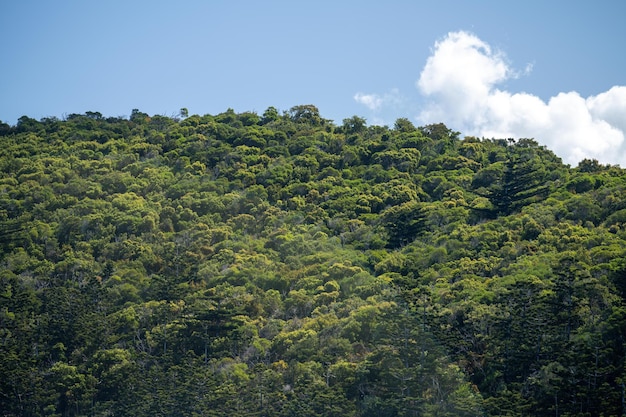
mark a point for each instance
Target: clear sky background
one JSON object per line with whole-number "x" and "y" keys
{"x": 550, "y": 69}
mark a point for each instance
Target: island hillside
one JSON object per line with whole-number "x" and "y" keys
{"x": 283, "y": 264}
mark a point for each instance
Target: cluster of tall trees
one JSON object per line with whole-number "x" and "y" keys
{"x": 284, "y": 265}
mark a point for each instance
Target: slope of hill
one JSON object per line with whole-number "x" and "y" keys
{"x": 282, "y": 265}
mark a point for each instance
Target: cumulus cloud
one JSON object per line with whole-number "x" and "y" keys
{"x": 460, "y": 80}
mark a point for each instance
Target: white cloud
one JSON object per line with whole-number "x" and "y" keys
{"x": 378, "y": 103}
{"x": 371, "y": 101}
{"x": 610, "y": 106}
{"x": 460, "y": 79}
{"x": 375, "y": 102}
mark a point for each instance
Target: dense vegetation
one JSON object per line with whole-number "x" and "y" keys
{"x": 283, "y": 265}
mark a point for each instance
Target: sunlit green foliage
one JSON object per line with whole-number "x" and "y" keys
{"x": 281, "y": 265}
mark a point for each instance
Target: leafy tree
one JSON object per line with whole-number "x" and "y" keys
{"x": 404, "y": 125}
{"x": 138, "y": 117}
{"x": 270, "y": 115}
{"x": 306, "y": 114}
{"x": 355, "y": 124}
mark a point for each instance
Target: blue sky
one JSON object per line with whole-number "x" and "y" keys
{"x": 552, "y": 70}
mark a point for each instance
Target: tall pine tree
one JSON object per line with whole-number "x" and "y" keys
{"x": 521, "y": 181}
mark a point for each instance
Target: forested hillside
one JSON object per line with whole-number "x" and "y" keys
{"x": 285, "y": 265}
